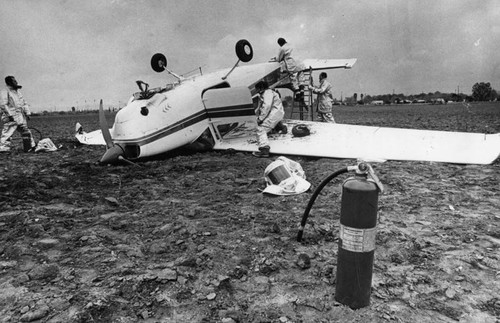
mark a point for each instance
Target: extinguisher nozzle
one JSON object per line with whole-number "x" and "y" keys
{"x": 299, "y": 235}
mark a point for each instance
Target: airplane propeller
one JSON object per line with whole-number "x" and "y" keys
{"x": 104, "y": 127}
{"x": 114, "y": 152}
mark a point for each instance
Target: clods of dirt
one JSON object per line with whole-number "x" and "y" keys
{"x": 190, "y": 238}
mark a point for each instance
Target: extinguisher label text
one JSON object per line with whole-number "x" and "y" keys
{"x": 357, "y": 240}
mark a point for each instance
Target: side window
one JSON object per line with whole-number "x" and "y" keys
{"x": 218, "y": 86}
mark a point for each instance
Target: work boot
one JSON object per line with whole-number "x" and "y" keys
{"x": 262, "y": 153}
{"x": 281, "y": 128}
{"x": 299, "y": 97}
{"x": 27, "y": 142}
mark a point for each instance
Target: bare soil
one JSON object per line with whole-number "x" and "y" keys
{"x": 188, "y": 237}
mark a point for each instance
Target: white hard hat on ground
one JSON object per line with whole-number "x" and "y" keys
{"x": 45, "y": 145}
{"x": 285, "y": 177}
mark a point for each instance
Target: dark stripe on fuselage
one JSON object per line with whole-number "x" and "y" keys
{"x": 232, "y": 111}
{"x": 224, "y": 112}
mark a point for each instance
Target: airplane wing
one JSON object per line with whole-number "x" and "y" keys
{"x": 324, "y": 64}
{"x": 371, "y": 143}
{"x": 356, "y": 142}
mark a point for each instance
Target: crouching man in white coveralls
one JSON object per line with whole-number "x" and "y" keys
{"x": 269, "y": 113}
{"x": 14, "y": 111}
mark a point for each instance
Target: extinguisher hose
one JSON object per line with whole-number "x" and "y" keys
{"x": 313, "y": 199}
{"x": 40, "y": 136}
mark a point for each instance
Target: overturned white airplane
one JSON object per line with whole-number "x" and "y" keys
{"x": 218, "y": 110}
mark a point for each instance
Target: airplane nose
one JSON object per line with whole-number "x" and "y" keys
{"x": 112, "y": 155}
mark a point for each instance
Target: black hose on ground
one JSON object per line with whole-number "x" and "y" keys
{"x": 313, "y": 199}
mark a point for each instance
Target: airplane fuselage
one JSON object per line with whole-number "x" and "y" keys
{"x": 173, "y": 118}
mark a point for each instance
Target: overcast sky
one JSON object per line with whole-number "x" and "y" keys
{"x": 67, "y": 52}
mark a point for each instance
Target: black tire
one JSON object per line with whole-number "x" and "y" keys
{"x": 159, "y": 62}
{"x": 300, "y": 130}
{"x": 244, "y": 50}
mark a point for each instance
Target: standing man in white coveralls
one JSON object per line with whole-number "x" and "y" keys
{"x": 325, "y": 98}
{"x": 269, "y": 113}
{"x": 14, "y": 111}
{"x": 288, "y": 63}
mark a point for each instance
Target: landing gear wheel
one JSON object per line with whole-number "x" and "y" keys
{"x": 244, "y": 50}
{"x": 159, "y": 62}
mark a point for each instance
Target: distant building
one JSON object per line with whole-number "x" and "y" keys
{"x": 377, "y": 102}
{"x": 438, "y": 101}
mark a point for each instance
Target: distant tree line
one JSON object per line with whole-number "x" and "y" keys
{"x": 481, "y": 91}
{"x": 72, "y": 110}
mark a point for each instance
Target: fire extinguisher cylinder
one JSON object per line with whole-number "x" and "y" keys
{"x": 358, "y": 220}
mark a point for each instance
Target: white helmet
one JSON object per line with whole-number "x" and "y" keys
{"x": 285, "y": 177}
{"x": 45, "y": 145}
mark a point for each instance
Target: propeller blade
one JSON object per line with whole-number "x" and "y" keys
{"x": 104, "y": 127}
{"x": 128, "y": 161}
{"x": 112, "y": 155}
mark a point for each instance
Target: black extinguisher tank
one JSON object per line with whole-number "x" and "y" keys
{"x": 358, "y": 221}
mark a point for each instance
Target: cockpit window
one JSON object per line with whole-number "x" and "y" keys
{"x": 218, "y": 86}
{"x": 143, "y": 95}
{"x": 148, "y": 94}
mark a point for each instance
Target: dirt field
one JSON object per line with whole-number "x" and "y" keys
{"x": 189, "y": 238}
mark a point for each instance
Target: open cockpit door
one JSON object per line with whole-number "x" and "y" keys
{"x": 227, "y": 108}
